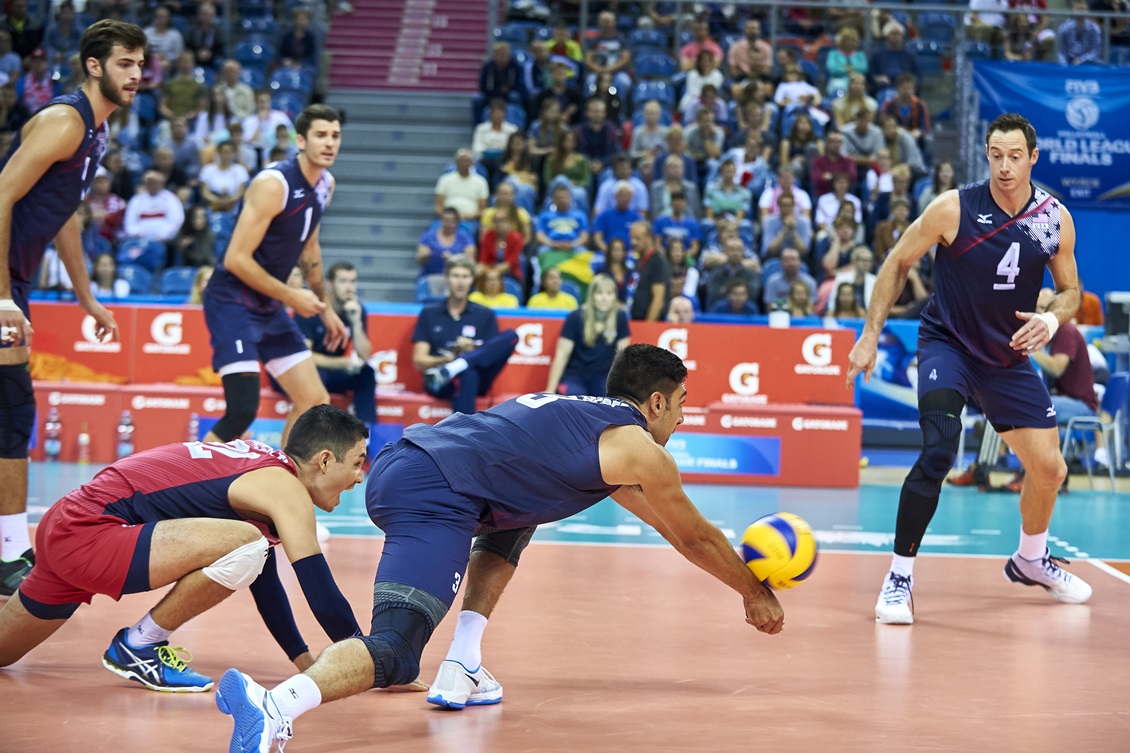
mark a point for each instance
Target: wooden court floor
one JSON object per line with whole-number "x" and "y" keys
{"x": 630, "y": 648}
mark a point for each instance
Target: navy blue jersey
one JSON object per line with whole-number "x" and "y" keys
{"x": 285, "y": 237}
{"x": 440, "y": 330}
{"x": 993, "y": 268}
{"x": 531, "y": 460}
{"x": 39, "y": 215}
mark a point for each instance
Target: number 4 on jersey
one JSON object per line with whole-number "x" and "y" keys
{"x": 1009, "y": 268}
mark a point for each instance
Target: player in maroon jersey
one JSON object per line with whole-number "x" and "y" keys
{"x": 204, "y": 516}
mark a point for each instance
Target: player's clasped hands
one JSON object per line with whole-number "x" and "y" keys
{"x": 764, "y": 612}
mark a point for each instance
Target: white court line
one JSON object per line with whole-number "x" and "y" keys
{"x": 1111, "y": 570}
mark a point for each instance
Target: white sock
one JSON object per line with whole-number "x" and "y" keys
{"x": 456, "y": 367}
{"x": 902, "y": 565}
{"x": 146, "y": 633}
{"x": 14, "y": 539}
{"x": 1033, "y": 546}
{"x": 296, "y": 696}
{"x": 466, "y": 646}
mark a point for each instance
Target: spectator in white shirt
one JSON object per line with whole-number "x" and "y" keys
{"x": 154, "y": 213}
{"x": 828, "y": 205}
{"x": 240, "y": 96}
{"x": 223, "y": 182}
{"x": 259, "y": 127}
{"x": 462, "y": 189}
{"x": 489, "y": 140}
{"x": 786, "y": 183}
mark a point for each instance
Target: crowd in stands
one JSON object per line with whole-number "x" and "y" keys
{"x": 209, "y": 114}
{"x": 773, "y": 174}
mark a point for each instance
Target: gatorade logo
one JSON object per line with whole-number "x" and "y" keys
{"x": 166, "y": 332}
{"x": 745, "y": 379}
{"x": 817, "y": 353}
{"x": 385, "y": 364}
{"x": 531, "y": 343}
{"x": 90, "y": 342}
{"x": 674, "y": 340}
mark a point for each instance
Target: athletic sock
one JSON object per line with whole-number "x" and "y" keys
{"x": 902, "y": 565}
{"x": 14, "y": 539}
{"x": 1033, "y": 546}
{"x": 466, "y": 645}
{"x": 456, "y": 367}
{"x": 146, "y": 633}
{"x": 296, "y": 696}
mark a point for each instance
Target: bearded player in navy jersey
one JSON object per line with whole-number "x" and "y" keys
{"x": 994, "y": 240}
{"x": 246, "y": 300}
{"x": 43, "y": 177}
{"x": 492, "y": 477}
{"x": 204, "y": 516}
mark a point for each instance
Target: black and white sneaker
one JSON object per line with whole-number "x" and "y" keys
{"x": 896, "y": 603}
{"x": 1046, "y": 573}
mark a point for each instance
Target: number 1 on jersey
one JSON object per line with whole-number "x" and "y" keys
{"x": 1009, "y": 268}
{"x": 306, "y": 227}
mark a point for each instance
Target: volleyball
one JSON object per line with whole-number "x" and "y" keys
{"x": 780, "y": 550}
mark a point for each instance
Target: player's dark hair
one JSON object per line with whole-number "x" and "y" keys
{"x": 640, "y": 370}
{"x": 325, "y": 427}
{"x": 1012, "y": 121}
{"x": 99, "y": 39}
{"x": 339, "y": 266}
{"x": 315, "y": 112}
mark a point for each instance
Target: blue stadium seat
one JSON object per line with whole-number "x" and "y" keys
{"x": 145, "y": 105}
{"x": 521, "y": 57}
{"x": 515, "y": 35}
{"x": 659, "y": 90}
{"x": 921, "y": 185}
{"x": 544, "y": 34}
{"x": 936, "y": 27}
{"x": 929, "y": 56}
{"x": 254, "y": 53}
{"x": 648, "y": 38}
{"x": 261, "y": 25}
{"x": 655, "y": 66}
{"x": 288, "y": 102}
{"x": 981, "y": 50}
{"x": 429, "y": 288}
{"x": 177, "y": 281}
{"x": 221, "y": 223}
{"x": 572, "y": 289}
{"x": 142, "y": 253}
{"x": 140, "y": 279}
{"x": 291, "y": 80}
{"x": 205, "y": 76}
{"x": 525, "y": 196}
{"x": 252, "y": 76}
{"x": 514, "y": 288}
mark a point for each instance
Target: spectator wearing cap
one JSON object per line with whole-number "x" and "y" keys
{"x": 36, "y": 87}
{"x": 107, "y": 209}
{"x": 893, "y": 59}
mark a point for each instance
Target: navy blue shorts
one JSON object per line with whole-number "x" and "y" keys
{"x": 428, "y": 527}
{"x": 1013, "y": 397}
{"x": 239, "y": 334}
{"x": 20, "y": 291}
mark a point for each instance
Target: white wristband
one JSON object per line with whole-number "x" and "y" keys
{"x": 1049, "y": 319}
{"x": 7, "y": 304}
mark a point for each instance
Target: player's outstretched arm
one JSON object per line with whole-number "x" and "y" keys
{"x": 938, "y": 224}
{"x": 263, "y": 202}
{"x": 51, "y": 136}
{"x": 277, "y": 496}
{"x": 1039, "y": 329}
{"x": 652, "y": 490}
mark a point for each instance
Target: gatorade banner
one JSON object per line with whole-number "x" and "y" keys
{"x": 1082, "y": 119}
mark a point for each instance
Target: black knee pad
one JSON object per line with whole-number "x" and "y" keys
{"x": 399, "y": 633}
{"x": 940, "y": 435}
{"x": 241, "y": 393}
{"x": 508, "y": 544}
{"x": 17, "y": 410}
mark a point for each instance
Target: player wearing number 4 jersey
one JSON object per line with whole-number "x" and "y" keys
{"x": 43, "y": 177}
{"x": 994, "y": 240}
{"x": 245, "y": 301}
{"x": 203, "y": 516}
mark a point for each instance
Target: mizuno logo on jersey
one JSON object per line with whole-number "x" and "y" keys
{"x": 985, "y": 219}
{"x": 1051, "y": 411}
{"x": 299, "y": 193}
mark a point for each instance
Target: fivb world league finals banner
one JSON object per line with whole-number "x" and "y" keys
{"x": 1082, "y": 119}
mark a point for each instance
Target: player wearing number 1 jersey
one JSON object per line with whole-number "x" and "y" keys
{"x": 43, "y": 177}
{"x": 994, "y": 239}
{"x": 201, "y": 515}
{"x": 245, "y": 301}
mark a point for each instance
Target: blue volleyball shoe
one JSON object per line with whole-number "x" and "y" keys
{"x": 157, "y": 667}
{"x": 456, "y": 687}
{"x": 258, "y": 723}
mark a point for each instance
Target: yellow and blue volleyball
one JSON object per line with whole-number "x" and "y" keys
{"x": 780, "y": 550}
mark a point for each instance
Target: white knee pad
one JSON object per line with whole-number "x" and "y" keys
{"x": 240, "y": 567}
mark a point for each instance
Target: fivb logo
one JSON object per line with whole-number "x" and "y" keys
{"x": 817, "y": 353}
{"x": 166, "y": 333}
{"x": 677, "y": 340}
{"x": 531, "y": 343}
{"x": 90, "y": 342}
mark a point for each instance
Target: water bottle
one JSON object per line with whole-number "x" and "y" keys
{"x": 193, "y": 427}
{"x": 84, "y": 444}
{"x": 125, "y": 435}
{"x": 52, "y": 436}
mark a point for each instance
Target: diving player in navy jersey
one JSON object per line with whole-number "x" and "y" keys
{"x": 43, "y": 177}
{"x": 245, "y": 301}
{"x": 491, "y": 477}
{"x": 204, "y": 516}
{"x": 994, "y": 240}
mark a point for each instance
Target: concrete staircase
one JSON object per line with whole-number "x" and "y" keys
{"x": 395, "y": 146}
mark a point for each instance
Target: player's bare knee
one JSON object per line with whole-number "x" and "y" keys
{"x": 241, "y": 566}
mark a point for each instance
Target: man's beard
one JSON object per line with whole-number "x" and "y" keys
{"x": 109, "y": 92}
